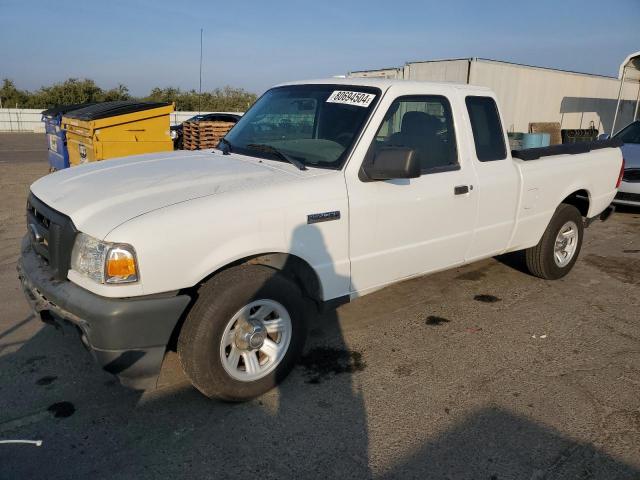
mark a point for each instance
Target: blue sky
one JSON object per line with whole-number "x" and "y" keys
{"x": 254, "y": 45}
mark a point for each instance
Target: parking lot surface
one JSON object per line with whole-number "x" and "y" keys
{"x": 482, "y": 372}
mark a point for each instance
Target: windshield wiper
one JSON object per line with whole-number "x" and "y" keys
{"x": 226, "y": 146}
{"x": 263, "y": 147}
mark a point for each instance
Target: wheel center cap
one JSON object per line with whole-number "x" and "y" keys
{"x": 256, "y": 340}
{"x": 251, "y": 335}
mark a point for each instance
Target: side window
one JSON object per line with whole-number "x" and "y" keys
{"x": 425, "y": 124}
{"x": 487, "y": 129}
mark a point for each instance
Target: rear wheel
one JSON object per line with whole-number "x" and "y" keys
{"x": 556, "y": 253}
{"x": 244, "y": 333}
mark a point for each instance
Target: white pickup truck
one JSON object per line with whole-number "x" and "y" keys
{"x": 324, "y": 191}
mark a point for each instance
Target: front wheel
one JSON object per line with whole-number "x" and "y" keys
{"x": 244, "y": 333}
{"x": 556, "y": 253}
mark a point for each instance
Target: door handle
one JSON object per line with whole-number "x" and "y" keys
{"x": 462, "y": 189}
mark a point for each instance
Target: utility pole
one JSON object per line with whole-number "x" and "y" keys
{"x": 200, "y": 89}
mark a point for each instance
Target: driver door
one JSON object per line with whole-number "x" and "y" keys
{"x": 406, "y": 227}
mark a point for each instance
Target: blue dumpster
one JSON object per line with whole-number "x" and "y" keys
{"x": 56, "y": 137}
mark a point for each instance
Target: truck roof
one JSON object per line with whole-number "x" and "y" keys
{"x": 384, "y": 83}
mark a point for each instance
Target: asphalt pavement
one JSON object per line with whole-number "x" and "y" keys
{"x": 481, "y": 372}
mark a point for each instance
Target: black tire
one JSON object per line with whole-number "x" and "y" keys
{"x": 540, "y": 259}
{"x": 218, "y": 300}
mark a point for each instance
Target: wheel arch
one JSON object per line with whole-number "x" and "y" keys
{"x": 295, "y": 267}
{"x": 581, "y": 199}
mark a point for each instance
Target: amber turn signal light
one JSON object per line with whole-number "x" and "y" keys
{"x": 120, "y": 265}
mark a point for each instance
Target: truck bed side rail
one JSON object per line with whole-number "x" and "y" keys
{"x": 569, "y": 149}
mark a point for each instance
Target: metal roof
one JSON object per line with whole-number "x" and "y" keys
{"x": 630, "y": 68}
{"x": 382, "y": 83}
{"x": 490, "y": 60}
{"x": 629, "y": 72}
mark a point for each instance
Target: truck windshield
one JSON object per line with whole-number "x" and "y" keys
{"x": 630, "y": 133}
{"x": 314, "y": 124}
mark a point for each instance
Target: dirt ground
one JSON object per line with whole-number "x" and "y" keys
{"x": 482, "y": 372}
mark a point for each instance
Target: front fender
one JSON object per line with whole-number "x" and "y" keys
{"x": 180, "y": 245}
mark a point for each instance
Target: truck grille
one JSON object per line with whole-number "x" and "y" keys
{"x": 631, "y": 175}
{"x": 52, "y": 235}
{"x": 628, "y": 197}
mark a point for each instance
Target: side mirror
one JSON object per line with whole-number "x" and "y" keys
{"x": 604, "y": 136}
{"x": 393, "y": 162}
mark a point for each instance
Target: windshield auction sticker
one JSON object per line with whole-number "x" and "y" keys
{"x": 351, "y": 98}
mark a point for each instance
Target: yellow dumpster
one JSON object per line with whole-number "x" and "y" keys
{"x": 117, "y": 129}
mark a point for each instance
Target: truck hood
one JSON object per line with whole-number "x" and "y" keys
{"x": 102, "y": 195}
{"x": 631, "y": 154}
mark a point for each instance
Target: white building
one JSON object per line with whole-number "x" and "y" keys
{"x": 531, "y": 94}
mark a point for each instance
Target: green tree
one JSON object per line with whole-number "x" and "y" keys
{"x": 227, "y": 99}
{"x": 168, "y": 94}
{"x": 70, "y": 91}
{"x": 74, "y": 90}
{"x": 121, "y": 92}
{"x": 11, "y": 97}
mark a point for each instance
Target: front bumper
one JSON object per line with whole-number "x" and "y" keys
{"x": 628, "y": 194}
{"x": 127, "y": 336}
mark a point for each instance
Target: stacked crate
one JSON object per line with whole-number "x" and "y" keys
{"x": 552, "y": 128}
{"x": 204, "y": 134}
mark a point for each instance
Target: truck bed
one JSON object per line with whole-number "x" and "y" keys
{"x": 568, "y": 149}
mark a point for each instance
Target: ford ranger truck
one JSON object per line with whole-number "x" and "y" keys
{"x": 322, "y": 192}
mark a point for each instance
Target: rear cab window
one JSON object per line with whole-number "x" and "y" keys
{"x": 486, "y": 126}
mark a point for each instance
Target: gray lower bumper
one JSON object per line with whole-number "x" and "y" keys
{"x": 128, "y": 337}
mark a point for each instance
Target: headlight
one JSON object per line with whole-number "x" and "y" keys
{"x": 174, "y": 134}
{"x": 104, "y": 262}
